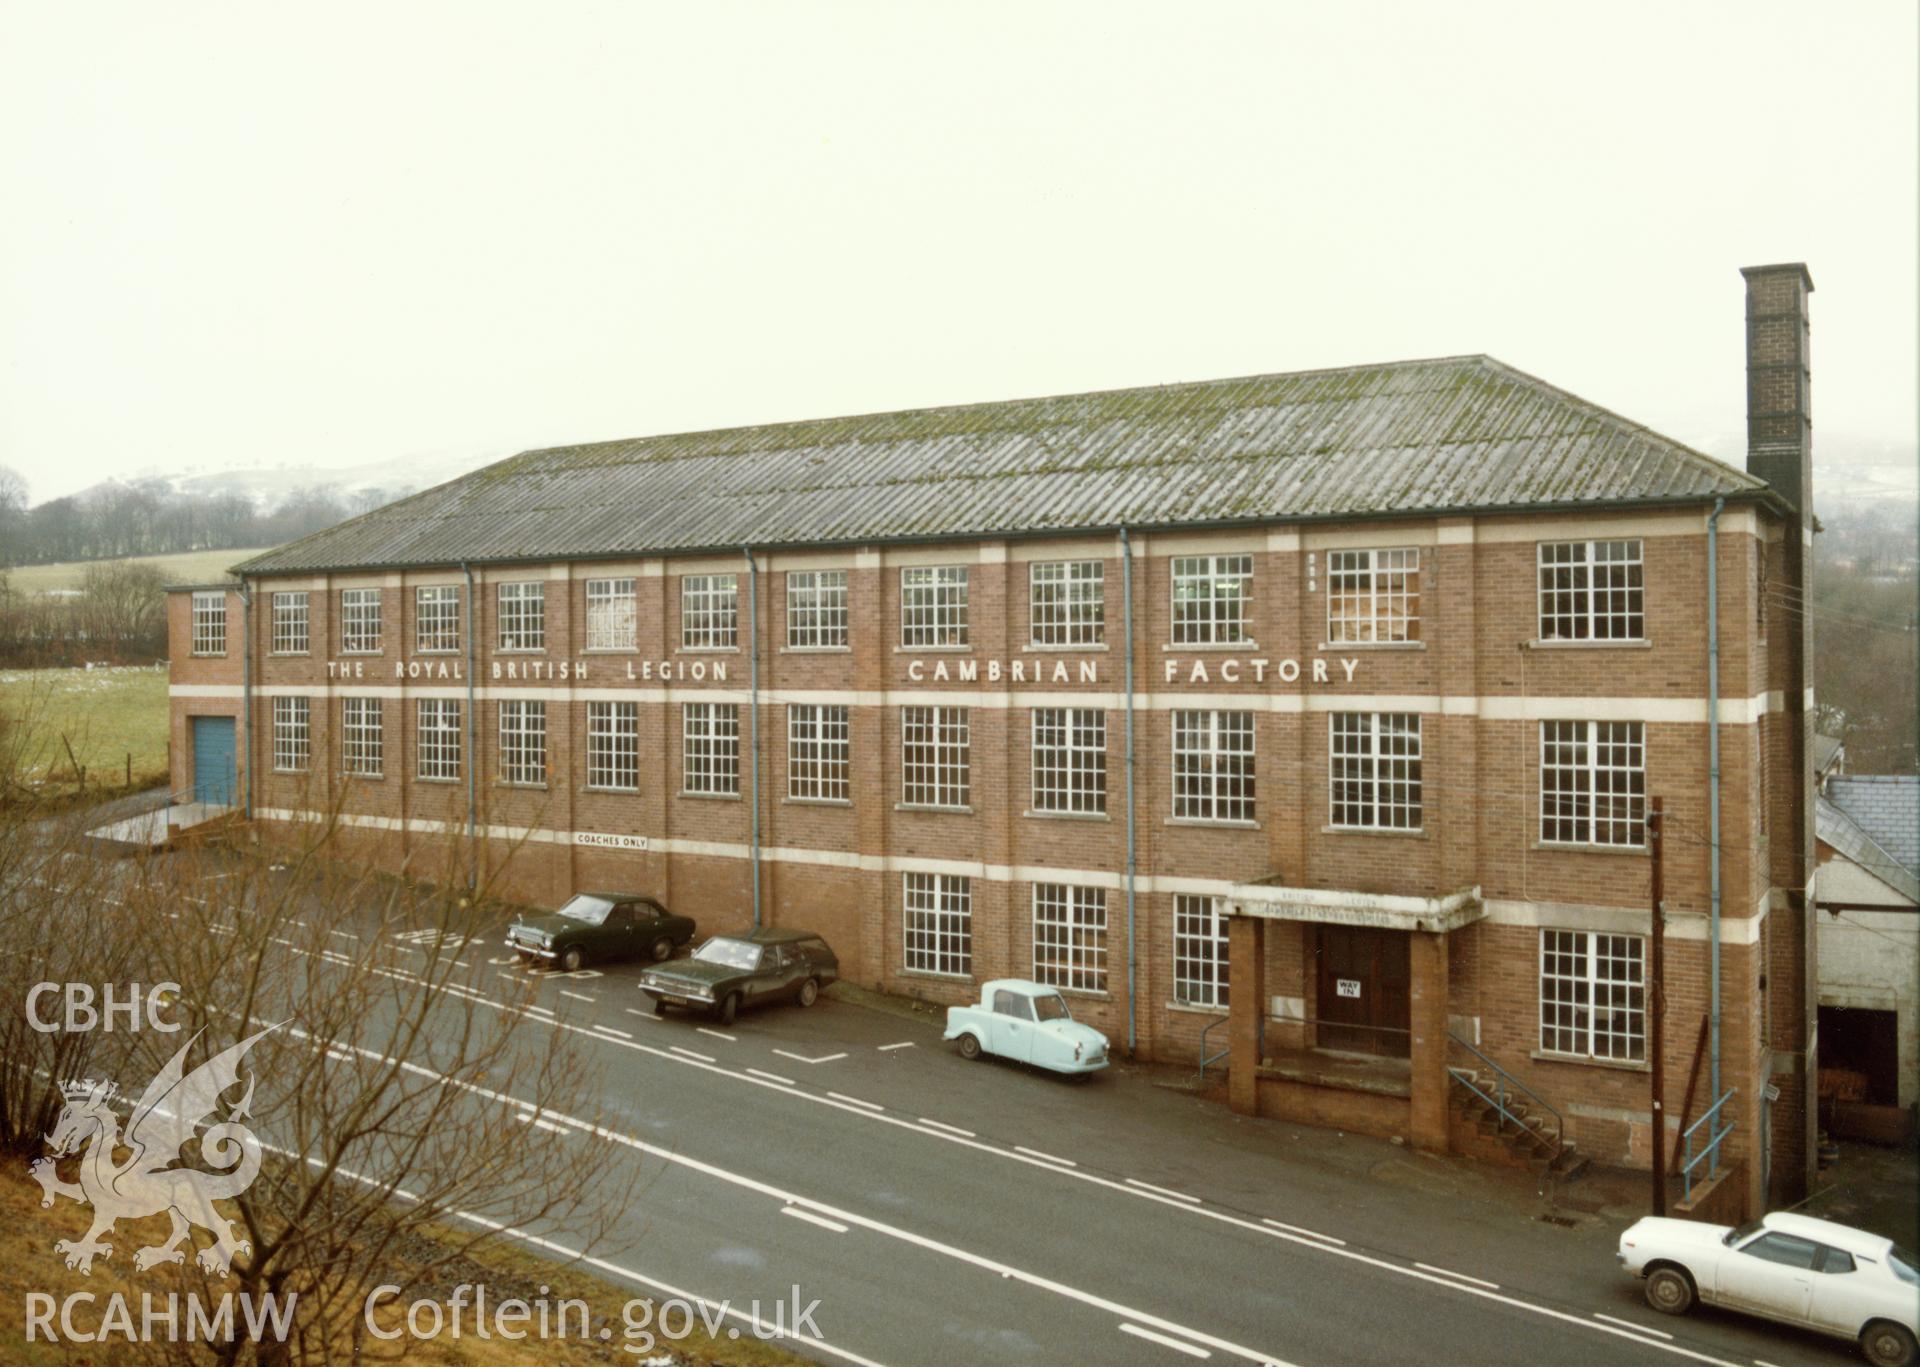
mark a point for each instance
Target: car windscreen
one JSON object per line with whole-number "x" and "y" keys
{"x": 592, "y": 910}
{"x": 1052, "y": 1007}
{"x": 1905, "y": 1266}
{"x": 1734, "y": 1237}
{"x": 729, "y": 953}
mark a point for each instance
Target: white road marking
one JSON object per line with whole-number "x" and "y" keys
{"x": 1176, "y": 1195}
{"x": 813, "y": 1219}
{"x": 461, "y": 963}
{"x": 856, "y": 1101}
{"x": 885, "y": 1047}
{"x": 1191, "y": 1350}
{"x": 643, "y": 1015}
{"x": 772, "y": 1077}
{"x": 717, "y": 1034}
{"x": 623, "y": 1034}
{"x": 577, "y": 997}
{"x": 851, "y": 1219}
{"x": 1638, "y": 1328}
{"x": 802, "y": 1058}
{"x": 1035, "y": 1153}
{"x": 542, "y": 1123}
{"x": 950, "y": 1129}
{"x": 1310, "y": 1233}
{"x": 344, "y": 934}
{"x": 1325, "y": 1246}
{"x": 1449, "y": 1272}
{"x": 704, "y": 1058}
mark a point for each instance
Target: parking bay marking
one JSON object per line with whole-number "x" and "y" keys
{"x": 1449, "y": 1272}
{"x": 813, "y": 1219}
{"x": 577, "y": 996}
{"x": 802, "y": 1058}
{"x": 1192, "y": 1350}
{"x": 1139, "y": 1190}
{"x": 1638, "y": 1328}
{"x": 717, "y": 1034}
{"x": 885, "y": 1047}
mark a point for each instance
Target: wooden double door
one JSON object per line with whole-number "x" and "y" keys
{"x": 1363, "y": 985}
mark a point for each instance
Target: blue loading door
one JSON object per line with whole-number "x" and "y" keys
{"x": 213, "y": 771}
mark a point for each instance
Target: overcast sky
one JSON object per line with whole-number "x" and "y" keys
{"x": 328, "y": 235}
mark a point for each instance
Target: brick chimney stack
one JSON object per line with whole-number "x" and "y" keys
{"x": 1779, "y": 412}
{"x": 1780, "y": 451}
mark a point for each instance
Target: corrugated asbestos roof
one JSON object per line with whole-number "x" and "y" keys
{"x": 1460, "y": 433}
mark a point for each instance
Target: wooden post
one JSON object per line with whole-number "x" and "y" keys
{"x": 1693, "y": 1078}
{"x": 1656, "y": 1011}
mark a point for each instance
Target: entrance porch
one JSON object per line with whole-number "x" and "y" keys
{"x": 1364, "y": 1044}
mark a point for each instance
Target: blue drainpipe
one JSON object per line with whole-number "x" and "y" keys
{"x": 1126, "y": 582}
{"x": 1713, "y": 795}
{"x": 753, "y": 711}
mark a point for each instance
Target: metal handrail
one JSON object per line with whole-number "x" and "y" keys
{"x": 1505, "y": 1082}
{"x": 1711, "y": 1153}
{"x": 1208, "y": 1060}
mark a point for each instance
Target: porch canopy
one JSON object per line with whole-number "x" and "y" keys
{"x": 1378, "y": 910}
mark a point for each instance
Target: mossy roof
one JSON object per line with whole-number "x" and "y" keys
{"x": 1457, "y": 434}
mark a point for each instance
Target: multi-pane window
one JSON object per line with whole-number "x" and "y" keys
{"x": 709, "y": 611}
{"x": 816, "y": 609}
{"x": 437, "y": 738}
{"x": 1067, "y": 602}
{"x": 710, "y": 744}
{"x": 1199, "y": 952}
{"x": 1213, "y": 766}
{"x": 209, "y": 624}
{"x": 1593, "y": 994}
{"x": 1373, "y": 596}
{"x": 1593, "y": 782}
{"x": 613, "y": 746}
{"x": 1069, "y": 760}
{"x": 290, "y": 624}
{"x": 612, "y": 615}
{"x": 936, "y": 757}
{"x": 933, "y": 606}
{"x": 939, "y": 928}
{"x": 817, "y": 753}
{"x": 1210, "y": 594}
{"x": 523, "y": 743}
{"x": 1070, "y": 936}
{"x": 1373, "y": 770}
{"x": 360, "y": 621}
{"x": 362, "y": 738}
{"x": 523, "y": 616}
{"x": 1592, "y": 591}
{"x": 436, "y": 617}
{"x": 292, "y": 734}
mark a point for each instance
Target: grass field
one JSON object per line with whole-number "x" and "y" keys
{"x": 188, "y": 567}
{"x": 105, "y": 714}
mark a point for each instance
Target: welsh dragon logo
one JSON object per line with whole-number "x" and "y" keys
{"x": 174, "y": 1106}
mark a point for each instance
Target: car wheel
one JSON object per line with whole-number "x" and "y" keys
{"x": 729, "y": 1008}
{"x": 572, "y": 959}
{"x": 970, "y": 1047}
{"x": 662, "y": 950}
{"x": 809, "y": 992}
{"x": 1670, "y": 1291}
{"x": 1887, "y": 1344}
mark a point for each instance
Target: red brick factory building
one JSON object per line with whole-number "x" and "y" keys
{"x": 1308, "y": 721}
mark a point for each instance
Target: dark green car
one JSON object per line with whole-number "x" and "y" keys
{"x": 729, "y": 972}
{"x": 597, "y": 927}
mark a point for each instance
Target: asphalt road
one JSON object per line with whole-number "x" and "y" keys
{"x": 947, "y": 1212}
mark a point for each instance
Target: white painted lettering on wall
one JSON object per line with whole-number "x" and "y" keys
{"x": 610, "y": 842}
{"x": 427, "y": 669}
{"x": 1010, "y": 671}
{"x": 1233, "y": 670}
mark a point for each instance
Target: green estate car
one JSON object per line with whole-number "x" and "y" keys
{"x": 599, "y": 926}
{"x": 732, "y": 971}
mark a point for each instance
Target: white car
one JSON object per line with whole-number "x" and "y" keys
{"x": 1791, "y": 1268}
